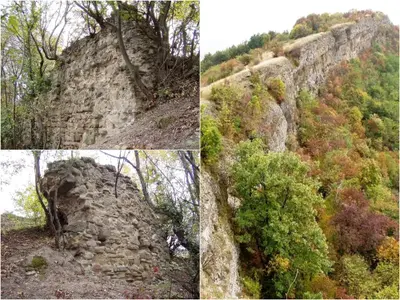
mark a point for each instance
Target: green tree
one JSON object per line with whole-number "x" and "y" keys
{"x": 211, "y": 140}
{"x": 27, "y": 203}
{"x": 362, "y": 283}
{"x": 300, "y": 30}
{"x": 355, "y": 275}
{"x": 277, "y": 216}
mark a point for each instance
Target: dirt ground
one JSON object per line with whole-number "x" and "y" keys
{"x": 174, "y": 124}
{"x": 61, "y": 279}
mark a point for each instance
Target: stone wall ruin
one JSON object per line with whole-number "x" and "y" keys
{"x": 116, "y": 238}
{"x": 92, "y": 95}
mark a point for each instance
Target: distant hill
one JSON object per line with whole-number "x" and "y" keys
{"x": 10, "y": 221}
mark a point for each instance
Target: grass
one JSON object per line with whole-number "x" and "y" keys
{"x": 220, "y": 71}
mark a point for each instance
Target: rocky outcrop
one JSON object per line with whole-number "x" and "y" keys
{"x": 116, "y": 238}
{"x": 305, "y": 65}
{"x": 219, "y": 252}
{"x": 92, "y": 95}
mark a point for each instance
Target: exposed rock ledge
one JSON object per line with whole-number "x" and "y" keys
{"x": 305, "y": 66}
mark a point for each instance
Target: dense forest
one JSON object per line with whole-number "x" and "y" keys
{"x": 319, "y": 220}
{"x": 36, "y": 33}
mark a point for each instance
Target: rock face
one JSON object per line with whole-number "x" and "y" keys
{"x": 115, "y": 237}
{"x": 306, "y": 65}
{"x": 219, "y": 253}
{"x": 91, "y": 92}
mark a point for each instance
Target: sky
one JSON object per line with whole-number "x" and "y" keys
{"x": 225, "y": 22}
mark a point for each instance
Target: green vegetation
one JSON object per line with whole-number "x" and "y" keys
{"x": 321, "y": 222}
{"x": 276, "y": 224}
{"x": 300, "y": 30}
{"x": 223, "y": 70}
{"x": 232, "y": 60}
{"x": 38, "y": 263}
{"x": 255, "y": 41}
{"x": 210, "y": 140}
{"x": 240, "y": 109}
{"x": 251, "y": 287}
{"x": 315, "y": 23}
{"x": 277, "y": 89}
{"x": 11, "y": 222}
{"x": 363, "y": 283}
{"x": 348, "y": 134}
{"x": 28, "y": 204}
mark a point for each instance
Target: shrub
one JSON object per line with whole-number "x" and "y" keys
{"x": 308, "y": 295}
{"x": 226, "y": 121}
{"x": 211, "y": 79}
{"x": 210, "y": 140}
{"x": 252, "y": 287}
{"x": 324, "y": 285}
{"x": 228, "y": 67}
{"x": 300, "y": 30}
{"x": 38, "y": 263}
{"x": 225, "y": 93}
{"x": 245, "y": 59}
{"x": 256, "y": 56}
{"x": 27, "y": 202}
{"x": 277, "y": 89}
{"x": 386, "y": 274}
{"x": 388, "y": 292}
{"x": 223, "y": 70}
{"x": 276, "y": 47}
{"x": 355, "y": 275}
{"x": 389, "y": 250}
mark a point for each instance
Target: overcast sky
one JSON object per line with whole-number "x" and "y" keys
{"x": 225, "y": 22}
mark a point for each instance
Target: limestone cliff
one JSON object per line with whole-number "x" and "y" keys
{"x": 219, "y": 253}
{"x": 306, "y": 65}
{"x": 91, "y": 92}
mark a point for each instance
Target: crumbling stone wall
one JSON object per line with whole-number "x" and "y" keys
{"x": 92, "y": 94}
{"x": 120, "y": 238}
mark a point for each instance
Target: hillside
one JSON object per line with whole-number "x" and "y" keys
{"x": 300, "y": 156}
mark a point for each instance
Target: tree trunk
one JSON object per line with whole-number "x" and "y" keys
{"x": 133, "y": 69}
{"x": 38, "y": 188}
{"x": 142, "y": 181}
